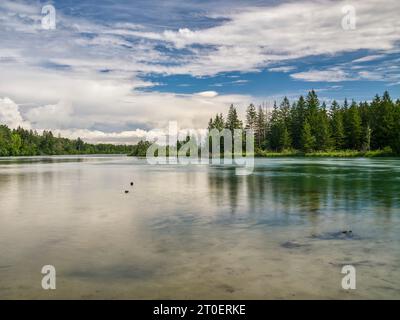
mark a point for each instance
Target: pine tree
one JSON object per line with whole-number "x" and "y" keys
{"x": 307, "y": 139}
{"x": 273, "y": 129}
{"x": 337, "y": 130}
{"x": 312, "y": 115}
{"x": 210, "y": 124}
{"x": 284, "y": 138}
{"x": 232, "y": 119}
{"x": 366, "y": 138}
{"x": 219, "y": 122}
{"x": 353, "y": 127}
{"x": 251, "y": 117}
{"x": 322, "y": 132}
{"x": 261, "y": 126}
{"x": 297, "y": 121}
{"x": 285, "y": 112}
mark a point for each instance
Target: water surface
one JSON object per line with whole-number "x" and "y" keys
{"x": 186, "y": 232}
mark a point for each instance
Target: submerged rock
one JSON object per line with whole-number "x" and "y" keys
{"x": 347, "y": 232}
{"x": 293, "y": 245}
{"x": 338, "y": 235}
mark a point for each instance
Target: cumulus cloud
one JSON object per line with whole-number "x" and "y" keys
{"x": 257, "y": 36}
{"x": 160, "y": 135}
{"x": 86, "y": 78}
{"x": 10, "y": 114}
{"x": 59, "y": 115}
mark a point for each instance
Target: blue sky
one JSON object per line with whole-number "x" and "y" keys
{"x": 118, "y": 70}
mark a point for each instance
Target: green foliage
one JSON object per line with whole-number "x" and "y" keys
{"x": 261, "y": 127}
{"x": 21, "y": 142}
{"x": 140, "y": 149}
{"x": 251, "y": 117}
{"x": 306, "y": 126}
{"x": 232, "y": 120}
{"x": 353, "y": 127}
{"x": 311, "y": 127}
{"x": 336, "y": 124}
{"x": 307, "y": 138}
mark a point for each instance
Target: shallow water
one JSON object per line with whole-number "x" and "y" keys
{"x": 200, "y": 232}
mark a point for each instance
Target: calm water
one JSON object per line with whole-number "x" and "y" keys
{"x": 199, "y": 231}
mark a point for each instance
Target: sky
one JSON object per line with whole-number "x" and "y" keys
{"x": 118, "y": 71}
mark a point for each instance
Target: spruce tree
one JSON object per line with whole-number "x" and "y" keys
{"x": 337, "y": 130}
{"x": 232, "y": 119}
{"x": 261, "y": 127}
{"x": 353, "y": 127}
{"x": 251, "y": 117}
{"x": 307, "y": 139}
{"x": 297, "y": 121}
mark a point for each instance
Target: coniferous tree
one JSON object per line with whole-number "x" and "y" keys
{"x": 219, "y": 122}
{"x": 210, "y": 124}
{"x": 251, "y": 117}
{"x": 261, "y": 127}
{"x": 322, "y": 132}
{"x": 232, "y": 120}
{"x": 353, "y": 127}
{"x": 366, "y": 138}
{"x": 307, "y": 139}
{"x": 285, "y": 112}
{"x": 337, "y": 130}
{"x": 313, "y": 115}
{"x": 284, "y": 139}
{"x": 274, "y": 129}
{"x": 297, "y": 121}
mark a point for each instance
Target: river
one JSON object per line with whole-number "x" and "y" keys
{"x": 199, "y": 231}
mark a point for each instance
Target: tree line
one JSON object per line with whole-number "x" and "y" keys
{"x": 21, "y": 142}
{"x": 307, "y": 125}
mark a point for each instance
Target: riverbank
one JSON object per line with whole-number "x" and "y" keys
{"x": 387, "y": 152}
{"x": 327, "y": 154}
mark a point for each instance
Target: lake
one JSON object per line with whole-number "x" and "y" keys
{"x": 200, "y": 231}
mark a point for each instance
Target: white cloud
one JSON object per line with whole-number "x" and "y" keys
{"x": 369, "y": 58}
{"x": 331, "y": 75}
{"x": 369, "y": 75}
{"x": 255, "y": 37}
{"x": 10, "y": 114}
{"x": 129, "y": 137}
{"x": 282, "y": 69}
{"x": 208, "y": 94}
{"x": 82, "y": 83}
{"x": 59, "y": 115}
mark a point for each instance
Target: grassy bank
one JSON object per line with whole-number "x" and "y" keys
{"x": 387, "y": 152}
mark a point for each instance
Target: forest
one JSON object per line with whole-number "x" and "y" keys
{"x": 307, "y": 125}
{"x": 21, "y": 142}
{"x": 303, "y": 127}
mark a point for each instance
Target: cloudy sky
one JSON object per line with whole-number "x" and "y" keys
{"x": 117, "y": 71}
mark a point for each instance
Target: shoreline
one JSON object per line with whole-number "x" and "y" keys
{"x": 258, "y": 154}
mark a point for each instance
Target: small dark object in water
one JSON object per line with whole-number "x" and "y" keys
{"x": 131, "y": 183}
{"x": 126, "y": 191}
{"x": 339, "y": 235}
{"x": 293, "y": 245}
